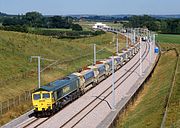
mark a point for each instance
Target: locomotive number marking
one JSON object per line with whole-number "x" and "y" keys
{"x": 66, "y": 89}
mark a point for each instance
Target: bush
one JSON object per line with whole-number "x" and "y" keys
{"x": 17, "y": 28}
{"x": 66, "y": 34}
{"x": 76, "y": 27}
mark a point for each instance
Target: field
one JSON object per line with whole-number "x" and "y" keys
{"x": 168, "y": 38}
{"x": 58, "y": 29}
{"x": 148, "y": 109}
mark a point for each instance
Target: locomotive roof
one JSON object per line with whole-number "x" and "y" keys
{"x": 55, "y": 85}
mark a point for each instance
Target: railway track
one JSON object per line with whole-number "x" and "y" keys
{"x": 144, "y": 54}
{"x": 30, "y": 123}
{"x": 27, "y": 123}
{"x": 109, "y": 88}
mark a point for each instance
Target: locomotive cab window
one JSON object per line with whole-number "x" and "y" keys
{"x": 45, "y": 95}
{"x": 37, "y": 96}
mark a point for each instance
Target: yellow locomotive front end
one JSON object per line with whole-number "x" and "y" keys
{"x": 42, "y": 101}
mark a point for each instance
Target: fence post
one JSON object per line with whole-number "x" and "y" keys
{"x": 1, "y": 108}
{"x": 19, "y": 99}
{"x": 25, "y": 97}
{"x": 8, "y": 105}
{"x": 29, "y": 95}
{"x": 14, "y": 102}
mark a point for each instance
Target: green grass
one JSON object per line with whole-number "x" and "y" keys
{"x": 149, "y": 107}
{"x": 173, "y": 114}
{"x": 86, "y": 25}
{"x": 117, "y": 25}
{"x": 57, "y": 29}
{"x": 168, "y": 41}
{"x": 168, "y": 38}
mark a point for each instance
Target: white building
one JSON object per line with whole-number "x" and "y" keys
{"x": 100, "y": 26}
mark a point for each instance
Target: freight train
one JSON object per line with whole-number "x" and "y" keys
{"x": 50, "y": 98}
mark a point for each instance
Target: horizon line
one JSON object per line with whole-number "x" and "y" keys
{"x": 130, "y": 14}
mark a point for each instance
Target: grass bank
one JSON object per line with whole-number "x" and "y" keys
{"x": 16, "y": 49}
{"x": 147, "y": 111}
{"x": 173, "y": 112}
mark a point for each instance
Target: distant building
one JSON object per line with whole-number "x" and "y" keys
{"x": 100, "y": 26}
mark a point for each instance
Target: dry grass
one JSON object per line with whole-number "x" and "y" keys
{"x": 14, "y": 113}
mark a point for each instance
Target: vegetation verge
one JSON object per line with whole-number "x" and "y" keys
{"x": 148, "y": 109}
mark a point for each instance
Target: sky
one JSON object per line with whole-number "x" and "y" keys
{"x": 98, "y": 7}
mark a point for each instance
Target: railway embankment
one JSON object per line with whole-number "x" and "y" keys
{"x": 154, "y": 105}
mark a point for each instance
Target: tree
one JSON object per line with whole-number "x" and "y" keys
{"x": 8, "y": 22}
{"x": 144, "y": 21}
{"x": 76, "y": 27}
{"x": 34, "y": 19}
{"x": 178, "y": 27}
{"x": 59, "y": 22}
{"x": 163, "y": 26}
